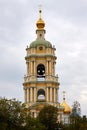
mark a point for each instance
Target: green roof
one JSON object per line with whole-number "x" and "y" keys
{"x": 38, "y": 42}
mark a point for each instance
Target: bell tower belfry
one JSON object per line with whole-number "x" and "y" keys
{"x": 40, "y": 83}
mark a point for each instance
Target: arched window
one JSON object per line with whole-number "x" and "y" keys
{"x": 40, "y": 71}
{"x": 41, "y": 94}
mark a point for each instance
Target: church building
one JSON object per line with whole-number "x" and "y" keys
{"x": 41, "y": 85}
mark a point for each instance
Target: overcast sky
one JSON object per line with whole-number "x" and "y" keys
{"x": 66, "y": 28}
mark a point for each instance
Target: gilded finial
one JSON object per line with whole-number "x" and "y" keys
{"x": 40, "y": 23}
{"x": 64, "y": 95}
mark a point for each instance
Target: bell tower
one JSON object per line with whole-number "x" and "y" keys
{"x": 40, "y": 82}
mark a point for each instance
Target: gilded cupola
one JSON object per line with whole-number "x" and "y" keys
{"x": 64, "y": 104}
{"x": 40, "y": 23}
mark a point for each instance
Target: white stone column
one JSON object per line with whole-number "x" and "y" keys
{"x": 47, "y": 67}
{"x": 31, "y": 67}
{"x": 34, "y": 94}
{"x": 54, "y": 95}
{"x": 57, "y": 94}
{"x": 50, "y": 94}
{"x": 28, "y": 68}
{"x": 47, "y": 94}
{"x": 27, "y": 94}
{"x": 50, "y": 66}
{"x": 35, "y": 114}
{"x": 34, "y": 67}
{"x": 54, "y": 67}
{"x": 30, "y": 94}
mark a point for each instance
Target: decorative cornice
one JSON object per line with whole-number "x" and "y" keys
{"x": 39, "y": 82}
{"x": 40, "y": 55}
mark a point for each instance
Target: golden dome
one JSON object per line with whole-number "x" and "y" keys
{"x": 40, "y": 23}
{"x": 66, "y": 106}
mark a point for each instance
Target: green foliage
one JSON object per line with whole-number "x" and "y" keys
{"x": 75, "y": 117}
{"x": 79, "y": 124}
{"x": 11, "y": 114}
{"x": 48, "y": 117}
{"x": 33, "y": 124}
{"x": 83, "y": 123}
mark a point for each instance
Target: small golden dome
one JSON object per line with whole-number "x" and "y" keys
{"x": 40, "y": 23}
{"x": 66, "y": 106}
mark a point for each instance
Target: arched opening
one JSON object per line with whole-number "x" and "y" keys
{"x": 41, "y": 71}
{"x": 41, "y": 94}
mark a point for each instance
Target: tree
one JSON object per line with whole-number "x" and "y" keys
{"x": 75, "y": 117}
{"x": 48, "y": 116}
{"x": 11, "y": 114}
{"x": 76, "y": 110}
{"x": 83, "y": 123}
{"x": 33, "y": 124}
